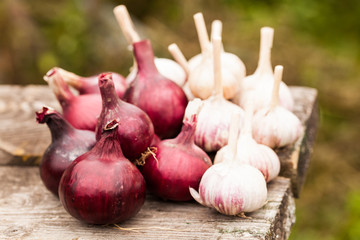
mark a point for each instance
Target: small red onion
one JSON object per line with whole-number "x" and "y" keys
{"x": 163, "y": 100}
{"x": 135, "y": 127}
{"x": 67, "y": 143}
{"x": 89, "y": 85}
{"x": 102, "y": 186}
{"x": 178, "y": 165}
{"x": 80, "y": 111}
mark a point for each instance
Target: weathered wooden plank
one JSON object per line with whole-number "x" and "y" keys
{"x": 29, "y": 211}
{"x": 295, "y": 159}
{"x": 22, "y": 141}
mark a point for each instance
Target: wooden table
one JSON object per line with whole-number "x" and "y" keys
{"x": 29, "y": 211}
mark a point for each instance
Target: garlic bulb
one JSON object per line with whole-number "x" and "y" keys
{"x": 227, "y": 151}
{"x": 231, "y": 188}
{"x": 275, "y": 126}
{"x": 214, "y": 118}
{"x": 256, "y": 88}
{"x": 167, "y": 67}
{"x": 201, "y": 79}
{"x": 249, "y": 151}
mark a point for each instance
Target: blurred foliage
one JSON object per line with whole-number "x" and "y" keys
{"x": 316, "y": 41}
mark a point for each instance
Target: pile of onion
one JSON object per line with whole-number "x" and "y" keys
{"x": 135, "y": 127}
{"x": 102, "y": 186}
{"x": 80, "y": 111}
{"x": 67, "y": 143}
{"x": 89, "y": 85}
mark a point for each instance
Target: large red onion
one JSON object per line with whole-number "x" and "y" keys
{"x": 80, "y": 111}
{"x": 163, "y": 100}
{"x": 67, "y": 143}
{"x": 89, "y": 85}
{"x": 102, "y": 186}
{"x": 178, "y": 164}
{"x": 135, "y": 127}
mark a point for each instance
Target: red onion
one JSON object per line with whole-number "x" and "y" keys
{"x": 67, "y": 143}
{"x": 163, "y": 100}
{"x": 89, "y": 85}
{"x": 135, "y": 127}
{"x": 102, "y": 186}
{"x": 178, "y": 165}
{"x": 80, "y": 111}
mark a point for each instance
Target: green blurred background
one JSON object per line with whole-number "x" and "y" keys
{"x": 317, "y": 42}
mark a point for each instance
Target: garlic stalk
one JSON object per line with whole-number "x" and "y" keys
{"x": 201, "y": 79}
{"x": 181, "y": 60}
{"x": 214, "y": 118}
{"x": 274, "y": 125}
{"x": 256, "y": 88}
{"x": 230, "y": 187}
{"x": 167, "y": 67}
{"x": 227, "y": 151}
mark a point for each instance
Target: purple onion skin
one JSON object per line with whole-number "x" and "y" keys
{"x": 67, "y": 143}
{"x": 80, "y": 111}
{"x": 159, "y": 97}
{"x": 179, "y": 164}
{"x": 89, "y": 85}
{"x": 136, "y": 130}
{"x": 102, "y": 186}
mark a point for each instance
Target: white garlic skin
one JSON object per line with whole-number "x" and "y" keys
{"x": 201, "y": 80}
{"x": 259, "y": 156}
{"x": 212, "y": 130}
{"x": 188, "y": 92}
{"x": 166, "y": 67}
{"x": 277, "y": 127}
{"x": 258, "y": 92}
{"x": 232, "y": 188}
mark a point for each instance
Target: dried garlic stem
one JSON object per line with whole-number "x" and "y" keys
{"x": 218, "y": 89}
{"x": 202, "y": 32}
{"x": 179, "y": 57}
{"x": 127, "y": 26}
{"x": 278, "y": 72}
{"x": 216, "y": 28}
{"x": 266, "y": 42}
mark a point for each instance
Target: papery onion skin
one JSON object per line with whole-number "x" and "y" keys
{"x": 163, "y": 100}
{"x": 80, "y": 111}
{"x": 178, "y": 165}
{"x": 67, "y": 143}
{"x": 102, "y": 186}
{"x": 135, "y": 127}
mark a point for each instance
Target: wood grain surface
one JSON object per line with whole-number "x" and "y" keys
{"x": 29, "y": 211}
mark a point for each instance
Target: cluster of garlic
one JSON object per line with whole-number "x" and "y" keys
{"x": 245, "y": 158}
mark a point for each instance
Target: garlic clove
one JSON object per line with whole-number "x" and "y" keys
{"x": 232, "y": 188}
{"x": 276, "y": 128}
{"x": 215, "y": 116}
{"x": 259, "y": 156}
{"x": 274, "y": 125}
{"x": 201, "y": 80}
{"x": 262, "y": 79}
{"x": 214, "y": 119}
